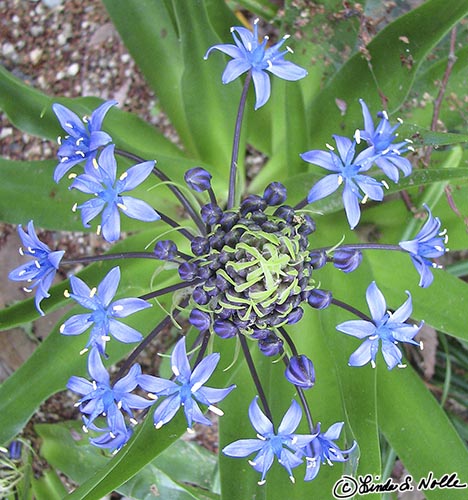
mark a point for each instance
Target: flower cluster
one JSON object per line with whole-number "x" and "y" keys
{"x": 246, "y": 273}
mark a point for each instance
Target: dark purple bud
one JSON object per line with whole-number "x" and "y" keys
{"x": 300, "y": 372}
{"x": 225, "y": 329}
{"x": 295, "y": 315}
{"x": 252, "y": 203}
{"x": 320, "y": 299}
{"x": 200, "y": 296}
{"x": 285, "y": 212}
{"x": 198, "y": 179}
{"x": 318, "y": 259}
{"x": 165, "y": 250}
{"x": 270, "y": 227}
{"x": 188, "y": 271}
{"x": 261, "y": 334}
{"x": 217, "y": 240}
{"x": 200, "y": 246}
{"x": 221, "y": 283}
{"x": 200, "y": 320}
{"x": 308, "y": 226}
{"x": 204, "y": 272}
{"x": 270, "y": 345}
{"x": 14, "y": 450}
{"x": 211, "y": 213}
{"x": 228, "y": 220}
{"x": 347, "y": 260}
{"x": 275, "y": 194}
{"x": 258, "y": 217}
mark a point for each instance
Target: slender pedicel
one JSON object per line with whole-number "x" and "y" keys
{"x": 351, "y": 309}
{"x": 235, "y": 145}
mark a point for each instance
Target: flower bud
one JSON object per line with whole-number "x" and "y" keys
{"x": 295, "y": 315}
{"x": 228, "y": 220}
{"x": 318, "y": 259}
{"x": 319, "y": 299}
{"x": 308, "y": 226}
{"x": 200, "y": 320}
{"x": 165, "y": 250}
{"x": 14, "y": 450}
{"x": 200, "y": 246}
{"x": 270, "y": 345}
{"x": 347, "y": 260}
{"x": 200, "y": 296}
{"x": 300, "y": 372}
{"x": 286, "y": 213}
{"x": 211, "y": 213}
{"x": 275, "y": 194}
{"x": 225, "y": 329}
{"x": 188, "y": 271}
{"x": 252, "y": 203}
{"x": 198, "y": 179}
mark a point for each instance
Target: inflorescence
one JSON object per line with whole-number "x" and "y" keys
{"x": 249, "y": 274}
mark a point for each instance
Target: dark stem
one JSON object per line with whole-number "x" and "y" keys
{"x": 255, "y": 377}
{"x": 235, "y": 145}
{"x": 361, "y": 246}
{"x": 301, "y": 204}
{"x": 177, "y": 192}
{"x": 169, "y": 289}
{"x": 176, "y": 225}
{"x": 136, "y": 352}
{"x": 289, "y": 340}
{"x": 110, "y": 256}
{"x": 351, "y": 309}
{"x": 305, "y": 405}
{"x": 203, "y": 347}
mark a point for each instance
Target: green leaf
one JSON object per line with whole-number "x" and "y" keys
{"x": 418, "y": 429}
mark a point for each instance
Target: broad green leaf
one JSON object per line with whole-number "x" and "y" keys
{"x": 66, "y": 448}
{"x": 48, "y": 486}
{"x": 418, "y": 429}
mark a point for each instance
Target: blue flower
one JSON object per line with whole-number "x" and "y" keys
{"x": 322, "y": 449}
{"x": 40, "y": 271}
{"x": 186, "y": 389}
{"x": 386, "y": 328}
{"x": 250, "y": 55}
{"x": 428, "y": 244}
{"x": 100, "y": 180}
{"x": 300, "y": 371}
{"x": 104, "y": 314}
{"x": 99, "y": 397}
{"x": 82, "y": 140}
{"x": 387, "y": 155}
{"x": 283, "y": 444}
{"x": 348, "y": 170}
{"x": 113, "y": 440}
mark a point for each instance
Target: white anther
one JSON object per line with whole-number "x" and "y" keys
{"x": 159, "y": 425}
{"x": 36, "y": 263}
{"x": 80, "y": 153}
{"x": 85, "y": 429}
{"x": 401, "y": 365}
{"x": 30, "y": 250}
{"x": 421, "y": 345}
{"x": 357, "y": 136}
{"x": 95, "y": 164}
{"x": 27, "y": 290}
{"x": 410, "y": 148}
{"x": 409, "y": 141}
{"x": 195, "y": 387}
{"x": 372, "y": 363}
{"x": 330, "y": 147}
{"x": 123, "y": 176}
{"x": 69, "y": 125}
{"x": 399, "y": 120}
{"x": 98, "y": 229}
{"x": 364, "y": 200}
{"x": 437, "y": 247}
{"x": 66, "y": 293}
{"x": 21, "y": 251}
{"x": 252, "y": 463}
{"x": 249, "y": 46}
{"x": 340, "y": 180}
{"x": 94, "y": 385}
{"x": 85, "y": 118}
{"x": 74, "y": 207}
{"x": 289, "y": 49}
{"x": 122, "y": 206}
{"x": 119, "y": 405}
{"x": 262, "y": 438}
{"x": 22, "y": 272}
{"x": 79, "y": 140}
{"x": 256, "y": 20}
{"x": 118, "y": 308}
{"x": 84, "y": 351}
{"x": 285, "y": 37}
{"x": 190, "y": 430}
{"x": 59, "y": 140}
{"x": 175, "y": 370}
{"x": 384, "y": 114}
{"x": 133, "y": 421}
{"x": 64, "y": 159}
{"x": 292, "y": 479}
{"x": 105, "y": 338}
{"x": 62, "y": 328}
{"x": 261, "y": 483}
{"x": 92, "y": 292}
{"x": 385, "y": 184}
{"x": 373, "y": 337}
{"x": 216, "y": 410}
{"x": 294, "y": 440}
{"x": 72, "y": 175}
{"x": 152, "y": 396}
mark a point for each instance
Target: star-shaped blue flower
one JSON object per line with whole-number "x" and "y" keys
{"x": 385, "y": 329}
{"x": 428, "y": 244}
{"x": 100, "y": 180}
{"x": 387, "y": 155}
{"x": 186, "y": 389}
{"x": 284, "y": 444}
{"x": 348, "y": 170}
{"x": 40, "y": 271}
{"x": 251, "y": 55}
{"x": 99, "y": 397}
{"x": 83, "y": 138}
{"x": 322, "y": 449}
{"x": 104, "y": 314}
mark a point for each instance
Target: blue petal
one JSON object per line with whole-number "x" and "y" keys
{"x": 351, "y": 205}
{"x": 226, "y": 48}
{"x": 179, "y": 362}
{"x": 324, "y": 159}
{"x": 345, "y": 148}
{"x": 323, "y": 188}
{"x": 108, "y": 286}
{"x": 139, "y": 209}
{"x": 124, "y": 307}
{"x": 111, "y": 223}
{"x": 376, "y": 302}
{"x": 391, "y": 354}
{"x": 243, "y": 447}
{"x": 368, "y": 121}
{"x": 263, "y": 461}
{"x": 234, "y": 69}
{"x": 124, "y": 333}
{"x": 194, "y": 414}
{"x": 80, "y": 288}
{"x": 76, "y": 325}
{"x": 96, "y": 369}
{"x": 90, "y": 209}
{"x": 157, "y": 385}
{"x": 357, "y": 328}
{"x": 79, "y": 385}
{"x": 64, "y": 166}
{"x": 166, "y": 410}
{"x": 262, "y": 87}
{"x": 287, "y": 70}
{"x": 291, "y": 419}
{"x": 107, "y": 162}
{"x": 97, "y": 139}
{"x": 403, "y": 312}
{"x": 258, "y": 419}
{"x": 203, "y": 371}
{"x": 69, "y": 121}
{"x": 364, "y": 353}
{"x": 136, "y": 175}
{"x": 129, "y": 382}
{"x": 209, "y": 396}
{"x": 334, "y": 431}
{"x": 97, "y": 117}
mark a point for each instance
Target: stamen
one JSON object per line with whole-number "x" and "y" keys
{"x": 84, "y": 351}
{"x": 289, "y": 49}
{"x": 36, "y": 263}
{"x": 410, "y": 148}
{"x": 256, "y": 20}
{"x": 262, "y": 438}
{"x": 269, "y": 64}
{"x": 292, "y": 479}
{"x": 385, "y": 184}
{"x": 64, "y": 159}
{"x": 373, "y": 363}
{"x": 27, "y": 290}
{"x": 80, "y": 153}
{"x": 71, "y": 175}
{"x": 111, "y": 434}
{"x": 21, "y": 251}
{"x": 94, "y": 385}
{"x": 22, "y": 272}
{"x": 74, "y": 207}
{"x": 30, "y": 250}
{"x": 79, "y": 140}
{"x": 85, "y": 118}
{"x": 330, "y": 147}
{"x": 232, "y": 29}
{"x": 175, "y": 370}
{"x": 158, "y": 425}
{"x": 118, "y": 308}
{"x": 95, "y": 164}
{"x": 122, "y": 206}
{"x": 357, "y": 136}
{"x": 119, "y": 405}
{"x": 364, "y": 200}
{"x": 252, "y": 463}
{"x": 401, "y": 365}
{"x": 152, "y": 396}
{"x": 373, "y": 337}
{"x": 285, "y": 37}
{"x": 421, "y": 345}
{"x": 384, "y": 114}
{"x": 437, "y": 247}
{"x": 105, "y": 338}
{"x": 190, "y": 430}
{"x": 66, "y": 294}
{"x": 216, "y": 410}
{"x": 195, "y": 387}
{"x": 62, "y": 328}
{"x": 123, "y": 176}
{"x": 261, "y": 483}
{"x": 92, "y": 293}
{"x": 249, "y": 47}
{"x": 84, "y": 428}
{"x": 59, "y": 140}
{"x": 340, "y": 180}
{"x": 98, "y": 229}
{"x": 69, "y": 125}
{"x": 133, "y": 421}
{"x": 399, "y": 120}
{"x": 409, "y": 141}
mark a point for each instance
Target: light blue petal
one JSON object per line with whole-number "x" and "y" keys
{"x": 97, "y": 117}
{"x": 157, "y": 385}
{"x": 226, "y": 48}
{"x": 345, "y": 148}
{"x": 111, "y": 223}
{"x": 403, "y": 312}
{"x": 262, "y": 87}
{"x": 234, "y": 69}
{"x": 357, "y": 328}
{"x": 96, "y": 369}
{"x": 351, "y": 205}
{"x": 258, "y": 419}
{"x": 64, "y": 166}
{"x": 136, "y": 175}
{"x": 363, "y": 354}
{"x": 391, "y": 354}
{"x": 124, "y": 333}
{"x": 334, "y": 431}
{"x": 209, "y": 396}
{"x": 324, "y": 159}
{"x": 107, "y": 162}
{"x": 129, "y": 382}
{"x": 243, "y": 447}
{"x": 69, "y": 121}
{"x": 90, "y": 209}
{"x": 287, "y": 70}
{"x": 180, "y": 363}
{"x": 166, "y": 410}
{"x": 76, "y": 325}
{"x": 376, "y": 302}
{"x": 125, "y": 307}
{"x": 323, "y": 188}
{"x": 203, "y": 371}
{"x": 108, "y": 286}
{"x": 139, "y": 209}
{"x": 79, "y": 385}
{"x": 368, "y": 121}
{"x": 291, "y": 419}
